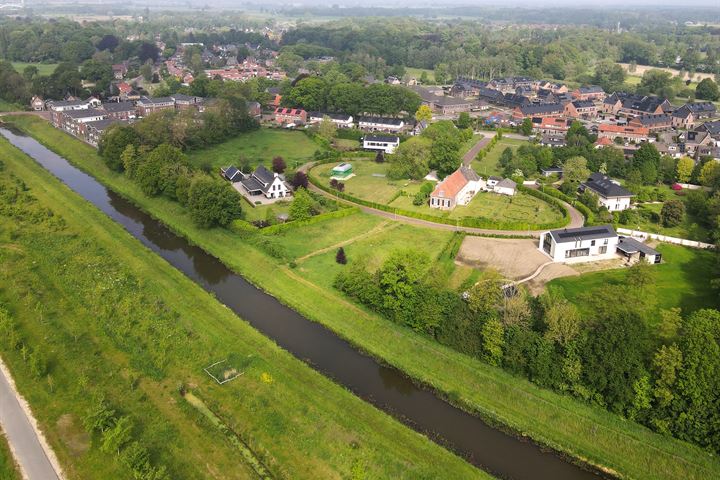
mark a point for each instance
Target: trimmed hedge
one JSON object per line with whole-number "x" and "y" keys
{"x": 281, "y": 227}
{"x": 579, "y": 206}
{"x": 470, "y": 222}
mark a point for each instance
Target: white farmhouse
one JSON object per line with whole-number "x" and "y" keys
{"x": 386, "y": 143}
{"x": 584, "y": 244}
{"x": 458, "y": 188}
{"x": 261, "y": 182}
{"x": 610, "y": 194}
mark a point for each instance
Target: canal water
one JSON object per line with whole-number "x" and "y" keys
{"x": 490, "y": 449}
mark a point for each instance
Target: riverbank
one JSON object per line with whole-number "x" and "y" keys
{"x": 561, "y": 422}
{"x": 116, "y": 319}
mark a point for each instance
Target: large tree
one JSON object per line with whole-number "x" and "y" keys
{"x": 707, "y": 89}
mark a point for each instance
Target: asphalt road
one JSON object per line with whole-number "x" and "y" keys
{"x": 22, "y": 437}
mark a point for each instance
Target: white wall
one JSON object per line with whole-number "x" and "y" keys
{"x": 558, "y": 250}
{"x": 615, "y": 204}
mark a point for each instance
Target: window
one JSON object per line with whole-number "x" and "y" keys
{"x": 592, "y": 243}
{"x": 605, "y": 242}
{"x": 578, "y": 252}
{"x": 547, "y": 243}
{"x": 602, "y": 250}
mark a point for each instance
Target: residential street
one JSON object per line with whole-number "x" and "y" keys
{"x": 22, "y": 437}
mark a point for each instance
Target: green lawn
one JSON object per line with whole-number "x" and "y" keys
{"x": 690, "y": 227}
{"x": 489, "y": 164}
{"x": 520, "y": 208}
{"x": 682, "y": 280}
{"x": 370, "y": 181}
{"x": 579, "y": 430}
{"x": 113, "y": 318}
{"x": 8, "y": 468}
{"x": 417, "y": 72}
{"x": 9, "y": 107}
{"x": 259, "y": 146}
{"x": 44, "y": 69}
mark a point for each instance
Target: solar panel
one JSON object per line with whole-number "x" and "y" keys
{"x": 583, "y": 233}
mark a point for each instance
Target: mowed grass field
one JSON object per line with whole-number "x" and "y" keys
{"x": 490, "y": 165}
{"x": 682, "y": 280}
{"x": 114, "y": 319}
{"x": 8, "y": 468}
{"x": 44, "y": 69}
{"x": 518, "y": 208}
{"x": 258, "y": 146}
{"x": 578, "y": 429}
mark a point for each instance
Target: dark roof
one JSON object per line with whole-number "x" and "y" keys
{"x": 450, "y": 101}
{"x": 252, "y": 184}
{"x": 539, "y": 109}
{"x": 469, "y": 174}
{"x": 231, "y": 173}
{"x": 591, "y": 89}
{"x": 88, "y": 112}
{"x": 495, "y": 177}
{"x": 263, "y": 174}
{"x": 583, "y": 103}
{"x": 382, "y": 138}
{"x": 114, "y": 107}
{"x": 553, "y": 169}
{"x": 506, "y": 183}
{"x": 382, "y": 120}
{"x": 713, "y": 128}
{"x": 649, "y": 120}
{"x": 67, "y": 103}
{"x": 630, "y": 245}
{"x": 701, "y": 107}
{"x": 181, "y": 97}
{"x": 150, "y": 100}
{"x": 102, "y": 125}
{"x": 515, "y": 100}
{"x": 583, "y": 233}
{"x": 334, "y": 116}
{"x": 604, "y": 186}
{"x": 490, "y": 94}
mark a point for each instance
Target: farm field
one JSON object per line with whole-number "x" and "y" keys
{"x": 258, "y": 146}
{"x": 489, "y": 165}
{"x": 681, "y": 280}
{"x": 578, "y": 429}
{"x": 111, "y": 300}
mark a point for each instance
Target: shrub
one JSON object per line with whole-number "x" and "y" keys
{"x": 672, "y": 213}
{"x": 340, "y": 256}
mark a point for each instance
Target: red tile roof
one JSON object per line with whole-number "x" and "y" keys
{"x": 451, "y": 186}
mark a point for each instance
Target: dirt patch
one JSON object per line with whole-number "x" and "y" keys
{"x": 75, "y": 438}
{"x": 514, "y": 258}
{"x": 536, "y": 286}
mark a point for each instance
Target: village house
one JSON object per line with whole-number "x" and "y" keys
{"x": 451, "y": 105}
{"x": 340, "y": 120}
{"x": 262, "y": 182}
{"x": 74, "y": 121}
{"x": 381, "y": 124}
{"x": 553, "y": 140}
{"x": 458, "y": 188}
{"x": 712, "y": 128}
{"x": 584, "y": 244}
{"x": 632, "y": 104}
{"x": 610, "y": 194}
{"x": 692, "y": 141}
{"x": 288, "y": 116}
{"x": 37, "y": 103}
{"x": 551, "y": 125}
{"x": 625, "y": 132}
{"x": 550, "y": 171}
{"x": 635, "y": 251}
{"x": 119, "y": 70}
{"x": 505, "y": 187}
{"x": 185, "y": 102}
{"x": 589, "y": 92}
{"x": 95, "y": 129}
{"x": 492, "y": 96}
{"x": 513, "y": 100}
{"x": 654, "y": 123}
{"x": 254, "y": 109}
{"x": 581, "y": 109}
{"x": 384, "y": 143}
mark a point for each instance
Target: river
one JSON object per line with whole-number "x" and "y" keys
{"x": 488, "y": 448}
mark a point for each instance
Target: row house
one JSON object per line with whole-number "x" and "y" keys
{"x": 557, "y": 88}
{"x": 625, "y": 132}
{"x": 74, "y": 121}
{"x": 340, "y": 120}
{"x": 513, "y": 100}
{"x": 593, "y": 93}
{"x": 581, "y": 109}
{"x": 148, "y": 105}
{"x": 57, "y": 107}
{"x": 713, "y": 128}
{"x": 551, "y": 125}
{"x": 631, "y": 104}
{"x": 120, "y": 110}
{"x": 95, "y": 129}
{"x": 381, "y": 124}
{"x": 287, "y": 116}
{"x": 185, "y": 102}
{"x": 654, "y": 123}
{"x": 691, "y": 142}
{"x": 510, "y": 84}
{"x": 538, "y": 110}
{"x": 689, "y": 114}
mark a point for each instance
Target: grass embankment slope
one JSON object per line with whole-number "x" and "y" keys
{"x": 111, "y": 317}
{"x": 258, "y": 146}
{"x": 8, "y": 468}
{"x": 582, "y": 431}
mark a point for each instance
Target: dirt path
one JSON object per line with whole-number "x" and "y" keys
{"x": 472, "y": 153}
{"x": 377, "y": 229}
{"x": 31, "y": 451}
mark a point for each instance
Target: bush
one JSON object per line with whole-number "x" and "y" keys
{"x": 672, "y": 213}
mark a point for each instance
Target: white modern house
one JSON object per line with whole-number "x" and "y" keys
{"x": 262, "y": 182}
{"x": 385, "y": 143}
{"x": 381, "y": 124}
{"x": 584, "y": 244}
{"x": 458, "y": 188}
{"x": 609, "y": 192}
{"x": 340, "y": 120}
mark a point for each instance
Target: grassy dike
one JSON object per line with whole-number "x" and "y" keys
{"x": 581, "y": 431}
{"x": 111, "y": 317}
